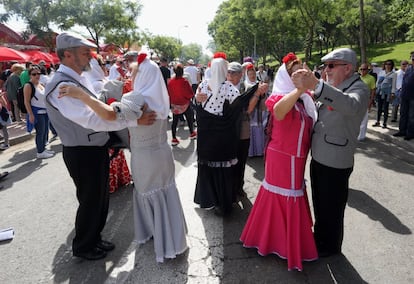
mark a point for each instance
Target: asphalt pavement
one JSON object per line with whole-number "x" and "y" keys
{"x": 378, "y": 245}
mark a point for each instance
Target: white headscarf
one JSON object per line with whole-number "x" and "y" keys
{"x": 283, "y": 85}
{"x": 96, "y": 75}
{"x": 218, "y": 74}
{"x": 150, "y": 84}
{"x": 247, "y": 82}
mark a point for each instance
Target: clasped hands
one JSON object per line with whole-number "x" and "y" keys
{"x": 304, "y": 79}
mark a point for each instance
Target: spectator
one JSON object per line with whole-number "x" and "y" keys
{"x": 180, "y": 94}
{"x": 406, "y": 125}
{"x": 386, "y": 89}
{"x": 12, "y": 84}
{"x": 396, "y": 99}
{"x": 370, "y": 81}
{"x": 37, "y": 113}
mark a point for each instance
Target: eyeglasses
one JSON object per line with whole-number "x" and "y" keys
{"x": 404, "y": 64}
{"x": 333, "y": 65}
{"x": 36, "y": 74}
{"x": 363, "y": 69}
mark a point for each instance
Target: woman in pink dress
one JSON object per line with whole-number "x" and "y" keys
{"x": 280, "y": 221}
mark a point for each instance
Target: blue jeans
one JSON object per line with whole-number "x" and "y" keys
{"x": 42, "y": 130}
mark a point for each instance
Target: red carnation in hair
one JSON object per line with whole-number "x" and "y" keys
{"x": 141, "y": 57}
{"x": 220, "y": 55}
{"x": 250, "y": 66}
{"x": 289, "y": 57}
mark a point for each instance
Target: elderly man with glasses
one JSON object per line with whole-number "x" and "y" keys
{"x": 342, "y": 102}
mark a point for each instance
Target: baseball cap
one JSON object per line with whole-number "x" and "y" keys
{"x": 343, "y": 54}
{"x": 68, "y": 40}
{"x": 235, "y": 67}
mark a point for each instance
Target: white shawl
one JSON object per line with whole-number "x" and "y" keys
{"x": 150, "y": 84}
{"x": 283, "y": 85}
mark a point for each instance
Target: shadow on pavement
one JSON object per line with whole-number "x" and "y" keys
{"x": 366, "y": 204}
{"x": 389, "y": 156}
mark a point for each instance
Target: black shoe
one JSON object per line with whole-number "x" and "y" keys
{"x": 3, "y": 175}
{"x": 398, "y": 134}
{"x": 376, "y": 124}
{"x": 105, "y": 245}
{"x": 384, "y": 126}
{"x": 408, "y": 138}
{"x": 393, "y": 120}
{"x": 93, "y": 254}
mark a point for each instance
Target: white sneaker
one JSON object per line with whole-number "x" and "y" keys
{"x": 44, "y": 155}
{"x": 50, "y": 151}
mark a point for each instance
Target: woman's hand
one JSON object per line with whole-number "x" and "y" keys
{"x": 201, "y": 97}
{"x": 31, "y": 118}
{"x": 72, "y": 91}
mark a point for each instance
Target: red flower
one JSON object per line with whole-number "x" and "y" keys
{"x": 220, "y": 55}
{"x": 289, "y": 57}
{"x": 250, "y": 66}
{"x": 141, "y": 57}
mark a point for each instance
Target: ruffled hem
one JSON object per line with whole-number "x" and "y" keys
{"x": 282, "y": 226}
{"x": 299, "y": 268}
{"x": 158, "y": 214}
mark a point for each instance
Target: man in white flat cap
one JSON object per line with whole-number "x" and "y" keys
{"x": 84, "y": 138}
{"x": 343, "y": 100}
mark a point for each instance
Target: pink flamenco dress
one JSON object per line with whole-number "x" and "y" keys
{"x": 280, "y": 221}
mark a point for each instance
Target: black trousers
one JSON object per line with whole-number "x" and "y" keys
{"x": 239, "y": 168}
{"x": 189, "y": 115}
{"x": 329, "y": 195}
{"x": 406, "y": 124}
{"x": 89, "y": 169}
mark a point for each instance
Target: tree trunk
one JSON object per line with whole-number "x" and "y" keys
{"x": 362, "y": 32}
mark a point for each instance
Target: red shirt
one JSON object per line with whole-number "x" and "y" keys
{"x": 180, "y": 91}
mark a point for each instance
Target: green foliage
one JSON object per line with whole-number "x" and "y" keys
{"x": 164, "y": 46}
{"x": 99, "y": 17}
{"x": 312, "y": 27}
{"x": 192, "y": 51}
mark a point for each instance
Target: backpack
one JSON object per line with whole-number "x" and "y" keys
{"x": 20, "y": 97}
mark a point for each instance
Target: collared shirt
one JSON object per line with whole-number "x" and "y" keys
{"x": 78, "y": 112}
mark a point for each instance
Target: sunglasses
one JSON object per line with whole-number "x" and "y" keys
{"x": 333, "y": 65}
{"x": 363, "y": 69}
{"x": 35, "y": 74}
{"x": 232, "y": 72}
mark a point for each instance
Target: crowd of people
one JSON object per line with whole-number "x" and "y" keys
{"x": 232, "y": 114}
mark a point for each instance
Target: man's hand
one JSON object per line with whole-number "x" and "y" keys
{"x": 147, "y": 118}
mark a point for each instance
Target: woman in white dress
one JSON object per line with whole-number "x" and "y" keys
{"x": 158, "y": 212}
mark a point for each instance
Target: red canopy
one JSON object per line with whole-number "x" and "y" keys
{"x": 8, "y": 54}
{"x": 35, "y": 40}
{"x": 7, "y": 35}
{"x": 56, "y": 59}
{"x": 36, "y": 56}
